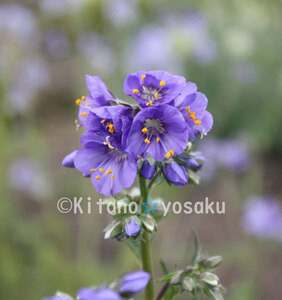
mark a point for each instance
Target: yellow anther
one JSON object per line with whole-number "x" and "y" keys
{"x": 192, "y": 115}
{"x": 83, "y": 114}
{"x": 97, "y": 177}
{"x": 112, "y": 177}
{"x": 78, "y": 102}
{"x": 171, "y": 152}
{"x": 109, "y": 171}
{"x": 87, "y": 104}
{"x": 92, "y": 170}
{"x": 109, "y": 124}
{"x": 143, "y": 76}
{"x": 83, "y": 98}
{"x": 103, "y": 121}
{"x": 168, "y": 155}
{"x": 147, "y": 141}
{"x": 111, "y": 128}
{"x": 162, "y": 83}
{"x": 135, "y": 91}
{"x": 139, "y": 156}
{"x": 156, "y": 95}
{"x": 101, "y": 170}
{"x": 145, "y": 130}
{"x": 187, "y": 108}
{"x": 150, "y": 103}
{"x": 198, "y": 122}
{"x": 157, "y": 139}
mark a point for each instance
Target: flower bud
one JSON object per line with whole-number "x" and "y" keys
{"x": 68, "y": 161}
{"x": 113, "y": 230}
{"x": 149, "y": 223}
{"x": 175, "y": 173}
{"x": 132, "y": 228}
{"x": 133, "y": 283}
{"x": 176, "y": 279}
{"x": 194, "y": 163}
{"x": 148, "y": 170}
{"x": 214, "y": 261}
{"x": 210, "y": 278}
{"x": 187, "y": 284}
{"x": 103, "y": 293}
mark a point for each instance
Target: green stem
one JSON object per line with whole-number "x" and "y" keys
{"x": 145, "y": 245}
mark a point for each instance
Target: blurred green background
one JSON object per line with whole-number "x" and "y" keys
{"x": 231, "y": 49}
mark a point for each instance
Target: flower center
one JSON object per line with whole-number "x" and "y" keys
{"x": 154, "y": 127}
{"x": 150, "y": 94}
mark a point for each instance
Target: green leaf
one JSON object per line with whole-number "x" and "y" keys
{"x": 167, "y": 277}
{"x": 164, "y": 268}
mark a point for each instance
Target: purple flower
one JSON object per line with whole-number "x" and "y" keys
{"x": 102, "y": 293}
{"x": 103, "y": 155}
{"x": 148, "y": 170}
{"x": 192, "y": 105}
{"x": 99, "y": 96}
{"x": 153, "y": 88}
{"x": 132, "y": 228}
{"x": 68, "y": 161}
{"x": 111, "y": 170}
{"x": 263, "y": 217}
{"x": 133, "y": 283}
{"x": 175, "y": 173}
{"x": 159, "y": 131}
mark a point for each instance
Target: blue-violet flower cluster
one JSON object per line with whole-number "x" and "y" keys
{"x": 169, "y": 112}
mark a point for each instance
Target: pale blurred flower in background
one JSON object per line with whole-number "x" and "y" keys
{"x": 97, "y": 52}
{"x": 120, "y": 12}
{"x": 231, "y": 154}
{"x": 57, "y": 44}
{"x": 27, "y": 175}
{"x": 263, "y": 217}
{"x": 18, "y": 21}
{"x": 151, "y": 48}
{"x": 57, "y": 8}
{"x": 30, "y": 77}
{"x": 191, "y": 36}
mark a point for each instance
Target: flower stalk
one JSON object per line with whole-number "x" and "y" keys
{"x": 145, "y": 245}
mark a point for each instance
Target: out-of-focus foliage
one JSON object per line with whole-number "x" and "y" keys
{"x": 231, "y": 48}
